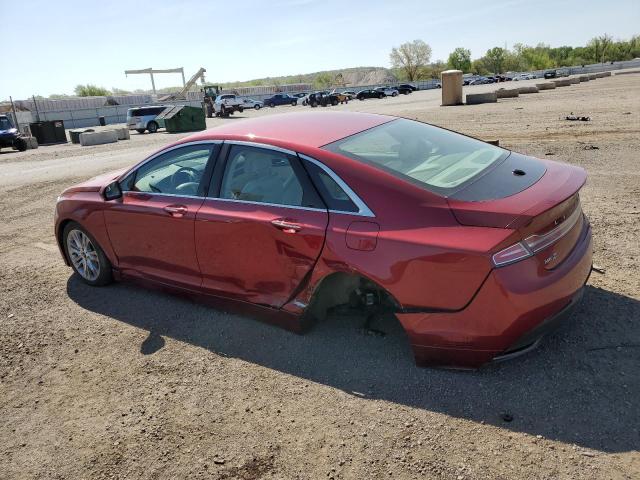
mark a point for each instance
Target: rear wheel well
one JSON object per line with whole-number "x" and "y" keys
{"x": 348, "y": 289}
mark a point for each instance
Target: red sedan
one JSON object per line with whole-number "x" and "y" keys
{"x": 478, "y": 251}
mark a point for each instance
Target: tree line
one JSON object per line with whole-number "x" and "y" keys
{"x": 411, "y": 60}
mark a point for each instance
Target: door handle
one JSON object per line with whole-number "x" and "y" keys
{"x": 176, "y": 210}
{"x": 286, "y": 227}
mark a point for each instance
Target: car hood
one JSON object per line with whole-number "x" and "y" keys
{"x": 95, "y": 184}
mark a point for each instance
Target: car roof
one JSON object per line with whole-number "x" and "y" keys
{"x": 311, "y": 129}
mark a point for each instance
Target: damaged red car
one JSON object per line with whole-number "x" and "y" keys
{"x": 476, "y": 250}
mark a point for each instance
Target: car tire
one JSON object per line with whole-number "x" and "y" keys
{"x": 394, "y": 94}
{"x": 240, "y": 109}
{"x": 334, "y": 102}
{"x": 381, "y": 96}
{"x": 20, "y": 144}
{"x": 82, "y": 251}
{"x": 152, "y": 127}
{"x": 256, "y": 107}
{"x": 361, "y": 99}
{"x": 294, "y": 103}
{"x": 272, "y": 104}
{"x": 313, "y": 104}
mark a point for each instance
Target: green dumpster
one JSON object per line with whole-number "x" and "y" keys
{"x": 183, "y": 118}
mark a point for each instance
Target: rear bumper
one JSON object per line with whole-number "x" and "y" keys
{"x": 514, "y": 308}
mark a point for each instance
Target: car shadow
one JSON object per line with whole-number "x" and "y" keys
{"x": 581, "y": 386}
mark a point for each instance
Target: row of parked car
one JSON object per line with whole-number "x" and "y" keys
{"x": 481, "y": 80}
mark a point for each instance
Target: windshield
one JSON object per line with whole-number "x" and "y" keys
{"x": 433, "y": 158}
{"x": 5, "y": 124}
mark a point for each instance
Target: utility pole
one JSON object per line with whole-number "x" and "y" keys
{"x": 15, "y": 115}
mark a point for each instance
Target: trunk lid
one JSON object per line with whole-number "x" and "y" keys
{"x": 545, "y": 213}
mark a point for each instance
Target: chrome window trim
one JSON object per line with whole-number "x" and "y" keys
{"x": 250, "y": 202}
{"x": 157, "y": 194}
{"x": 260, "y": 145}
{"x": 363, "y": 209}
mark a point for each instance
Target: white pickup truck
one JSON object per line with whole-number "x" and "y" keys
{"x": 225, "y": 105}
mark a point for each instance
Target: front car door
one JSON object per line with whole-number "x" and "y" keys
{"x": 151, "y": 227}
{"x": 262, "y": 228}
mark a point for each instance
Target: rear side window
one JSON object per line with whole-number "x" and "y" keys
{"x": 333, "y": 195}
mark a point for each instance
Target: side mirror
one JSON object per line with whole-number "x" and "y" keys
{"x": 112, "y": 191}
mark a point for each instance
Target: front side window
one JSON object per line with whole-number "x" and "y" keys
{"x": 177, "y": 172}
{"x": 266, "y": 176}
{"x": 433, "y": 158}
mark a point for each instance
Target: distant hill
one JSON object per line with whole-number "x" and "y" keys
{"x": 351, "y": 76}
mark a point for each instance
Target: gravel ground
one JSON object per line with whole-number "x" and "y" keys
{"x": 121, "y": 382}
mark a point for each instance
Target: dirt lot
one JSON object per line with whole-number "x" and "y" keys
{"x": 120, "y": 382}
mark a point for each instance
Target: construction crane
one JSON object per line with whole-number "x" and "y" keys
{"x": 182, "y": 94}
{"x": 151, "y": 71}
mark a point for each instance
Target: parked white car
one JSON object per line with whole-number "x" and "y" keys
{"x": 251, "y": 103}
{"x": 523, "y": 76}
{"x": 227, "y": 104}
{"x": 388, "y": 91}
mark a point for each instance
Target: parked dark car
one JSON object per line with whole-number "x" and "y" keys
{"x": 550, "y": 74}
{"x": 281, "y": 99}
{"x": 323, "y": 99}
{"x": 362, "y": 94}
{"x": 405, "y": 88}
{"x": 10, "y": 136}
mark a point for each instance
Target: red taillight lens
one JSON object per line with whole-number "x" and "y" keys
{"x": 510, "y": 254}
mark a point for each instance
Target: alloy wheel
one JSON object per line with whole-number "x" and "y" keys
{"x": 83, "y": 255}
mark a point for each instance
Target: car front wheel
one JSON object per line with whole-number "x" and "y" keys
{"x": 86, "y": 257}
{"x": 256, "y": 106}
{"x": 294, "y": 103}
{"x": 152, "y": 127}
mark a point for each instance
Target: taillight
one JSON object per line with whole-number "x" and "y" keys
{"x": 538, "y": 242}
{"x": 510, "y": 254}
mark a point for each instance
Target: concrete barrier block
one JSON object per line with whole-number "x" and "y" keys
{"x": 122, "y": 133}
{"x": 606, "y": 74}
{"x": 98, "y": 138}
{"x": 529, "y": 89}
{"x": 32, "y": 142}
{"x": 545, "y": 86}
{"x": 584, "y": 78}
{"x": 574, "y": 80}
{"x": 592, "y": 76}
{"x": 562, "y": 83}
{"x": 507, "y": 92}
{"x": 477, "y": 98}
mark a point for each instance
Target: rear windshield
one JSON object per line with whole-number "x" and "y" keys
{"x": 438, "y": 160}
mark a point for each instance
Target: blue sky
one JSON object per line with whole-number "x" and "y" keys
{"x": 58, "y": 44}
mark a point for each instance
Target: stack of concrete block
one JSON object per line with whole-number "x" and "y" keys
{"x": 545, "y": 86}
{"x": 507, "y": 92}
{"x": 98, "y": 138}
{"x": 529, "y": 89}
{"x": 477, "y": 98}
